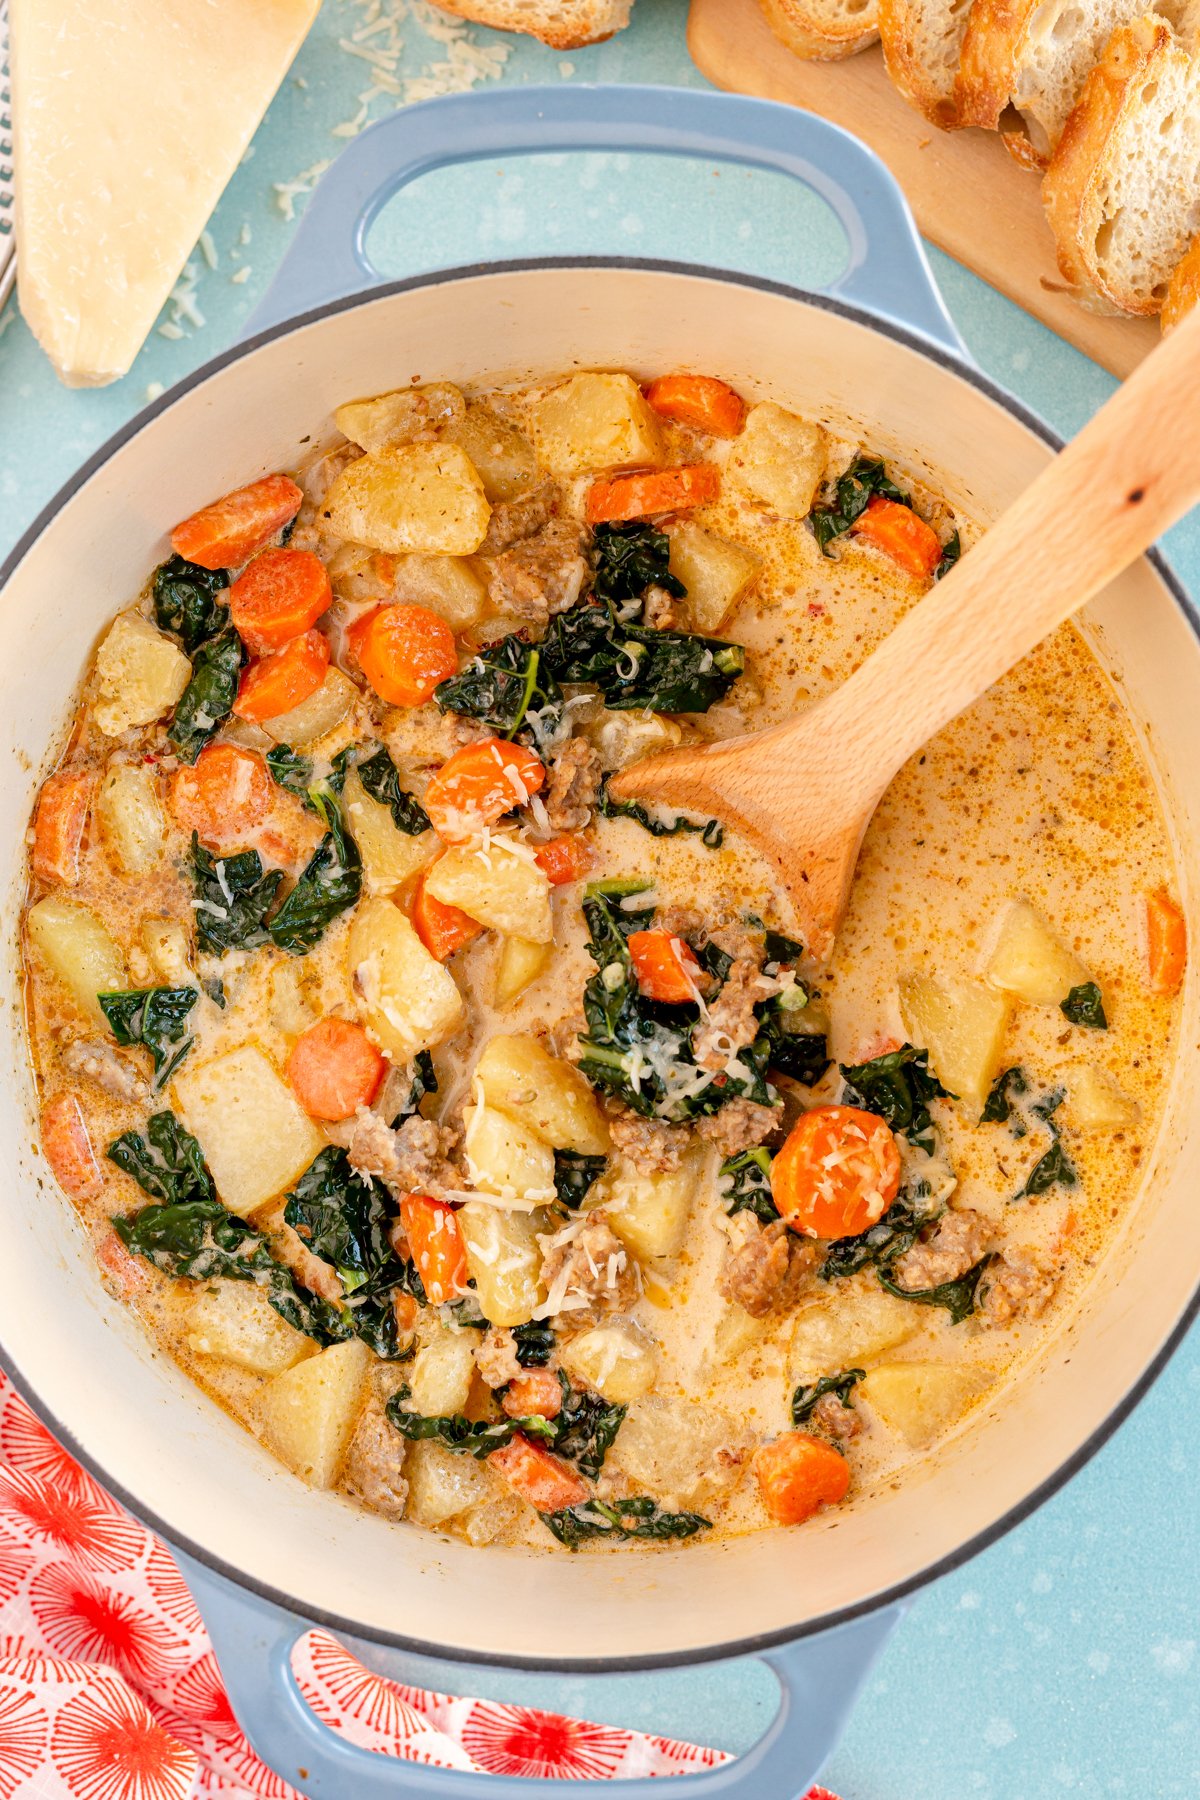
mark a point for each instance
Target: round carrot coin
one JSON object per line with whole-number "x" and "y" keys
{"x": 837, "y": 1174}
{"x": 799, "y": 1474}
{"x": 404, "y": 652}
{"x": 665, "y": 967}
{"x": 224, "y": 534}
{"x": 225, "y": 793}
{"x": 479, "y": 784}
{"x": 282, "y": 680}
{"x": 277, "y": 596}
{"x": 334, "y": 1068}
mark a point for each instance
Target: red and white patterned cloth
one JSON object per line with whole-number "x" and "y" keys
{"x": 109, "y": 1689}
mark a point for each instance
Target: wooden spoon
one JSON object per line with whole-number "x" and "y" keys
{"x": 804, "y": 791}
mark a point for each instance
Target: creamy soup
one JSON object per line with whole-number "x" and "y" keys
{"x": 491, "y": 1149}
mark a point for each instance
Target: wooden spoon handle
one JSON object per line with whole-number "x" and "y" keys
{"x": 1130, "y": 473}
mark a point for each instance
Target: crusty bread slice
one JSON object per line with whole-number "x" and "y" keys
{"x": 922, "y": 42}
{"x": 823, "y": 30}
{"x": 1183, "y": 291}
{"x": 1033, "y": 56}
{"x": 1121, "y": 192}
{"x": 563, "y": 24}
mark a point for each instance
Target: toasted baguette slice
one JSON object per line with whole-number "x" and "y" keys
{"x": 823, "y": 30}
{"x": 1184, "y": 288}
{"x": 1121, "y": 193}
{"x": 563, "y": 24}
{"x": 1033, "y": 56}
{"x": 922, "y": 42}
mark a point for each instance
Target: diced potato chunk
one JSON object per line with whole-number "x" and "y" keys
{"x": 130, "y": 816}
{"x": 503, "y": 891}
{"x": 316, "y": 716}
{"x": 503, "y": 455}
{"x": 167, "y": 945}
{"x": 546, "y": 1095}
{"x": 424, "y": 497}
{"x": 596, "y": 421}
{"x": 779, "y": 460}
{"x": 499, "y": 1517}
{"x": 256, "y": 1137}
{"x": 962, "y": 1025}
{"x": 442, "y": 1372}
{"x": 715, "y": 572}
{"x": 625, "y": 737}
{"x": 735, "y": 1335}
{"x": 918, "y": 1399}
{"x": 408, "y": 1000}
{"x": 235, "y": 1322}
{"x": 389, "y": 856}
{"x": 670, "y": 1447}
{"x": 849, "y": 1327}
{"x": 402, "y": 417}
{"x": 649, "y": 1213}
{"x": 1029, "y": 960}
{"x": 507, "y": 1158}
{"x": 1096, "y": 1103}
{"x": 517, "y": 966}
{"x": 447, "y": 585}
{"x": 309, "y": 1412}
{"x": 140, "y": 674}
{"x": 617, "y": 1360}
{"x": 77, "y": 948}
{"x": 505, "y": 1260}
{"x": 441, "y": 1485}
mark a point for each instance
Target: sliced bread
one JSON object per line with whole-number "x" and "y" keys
{"x": 1121, "y": 192}
{"x": 823, "y": 30}
{"x": 563, "y": 24}
{"x": 1183, "y": 291}
{"x": 1029, "y": 59}
{"x": 922, "y": 42}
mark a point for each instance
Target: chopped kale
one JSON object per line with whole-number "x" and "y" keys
{"x": 632, "y": 557}
{"x": 185, "y": 600}
{"x": 899, "y": 1087}
{"x": 958, "y": 1297}
{"x": 805, "y": 1399}
{"x": 233, "y": 898}
{"x": 951, "y": 551}
{"x": 1054, "y": 1169}
{"x": 574, "y": 1174}
{"x": 1084, "y": 1005}
{"x": 880, "y": 1245}
{"x": 637, "y": 667}
{"x": 535, "y": 1344}
{"x": 290, "y": 769}
{"x": 793, "y": 1048}
{"x": 346, "y": 1218}
{"x": 1048, "y": 1105}
{"x": 206, "y": 700}
{"x": 155, "y": 1017}
{"x": 619, "y": 1520}
{"x": 168, "y": 1162}
{"x": 500, "y": 686}
{"x": 424, "y": 1081}
{"x": 865, "y": 479}
{"x": 329, "y": 883}
{"x": 476, "y": 1438}
{"x": 381, "y": 779}
{"x": 585, "y": 1428}
{"x": 711, "y": 831}
{"x": 747, "y": 1179}
{"x": 998, "y": 1108}
{"x": 781, "y": 949}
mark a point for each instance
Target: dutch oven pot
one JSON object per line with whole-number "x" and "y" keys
{"x": 266, "y": 1554}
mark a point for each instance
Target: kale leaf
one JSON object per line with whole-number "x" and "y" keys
{"x": 185, "y": 600}
{"x": 898, "y": 1086}
{"x": 1084, "y": 1005}
{"x": 534, "y": 1344}
{"x": 206, "y": 700}
{"x": 329, "y": 883}
{"x": 619, "y": 1520}
{"x": 781, "y": 949}
{"x": 574, "y": 1174}
{"x": 290, "y": 769}
{"x": 381, "y": 779}
{"x": 155, "y": 1017}
{"x": 748, "y": 1189}
{"x": 476, "y": 1438}
{"x": 1053, "y": 1169}
{"x": 346, "y": 1218}
{"x": 233, "y": 898}
{"x": 501, "y": 686}
{"x": 880, "y": 1245}
{"x": 423, "y": 1081}
{"x": 585, "y": 1428}
{"x": 951, "y": 551}
{"x": 805, "y": 1399}
{"x": 998, "y": 1108}
{"x": 958, "y": 1297}
{"x": 637, "y": 666}
{"x": 168, "y": 1162}
{"x": 712, "y": 832}
{"x": 866, "y": 478}
{"x": 632, "y": 557}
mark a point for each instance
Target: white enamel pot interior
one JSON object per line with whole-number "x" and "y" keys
{"x": 152, "y": 1436}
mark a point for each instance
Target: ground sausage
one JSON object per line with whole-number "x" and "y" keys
{"x": 651, "y": 1145}
{"x": 574, "y": 786}
{"x": 374, "y": 1470}
{"x": 496, "y": 1357}
{"x": 729, "y": 1024}
{"x": 956, "y": 1246}
{"x": 661, "y": 610}
{"x": 770, "y": 1271}
{"x": 592, "y": 1272}
{"x": 1012, "y": 1285}
{"x": 841, "y": 1423}
{"x": 740, "y": 1125}
{"x": 310, "y": 1270}
{"x": 114, "y": 1073}
{"x": 541, "y": 576}
{"x": 413, "y": 1159}
{"x": 513, "y": 521}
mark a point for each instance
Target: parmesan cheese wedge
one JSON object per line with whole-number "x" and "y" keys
{"x": 130, "y": 116}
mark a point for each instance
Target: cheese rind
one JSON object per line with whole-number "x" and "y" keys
{"x": 130, "y": 116}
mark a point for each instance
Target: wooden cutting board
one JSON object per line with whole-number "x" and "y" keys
{"x": 969, "y": 197}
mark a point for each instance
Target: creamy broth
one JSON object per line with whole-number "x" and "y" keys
{"x": 1037, "y": 805}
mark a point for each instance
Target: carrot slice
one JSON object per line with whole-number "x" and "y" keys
{"x": 537, "y": 1391}
{"x": 334, "y": 1068}
{"x": 837, "y": 1174}
{"x": 67, "y": 1147}
{"x": 538, "y": 1477}
{"x": 229, "y": 531}
{"x": 798, "y": 1474}
{"x": 436, "y": 1243}
{"x": 59, "y": 826}
{"x": 658, "y": 491}
{"x": 664, "y": 965}
{"x": 442, "y": 929}
{"x": 898, "y": 530}
{"x": 224, "y": 794}
{"x": 564, "y": 859}
{"x": 279, "y": 595}
{"x": 479, "y": 784}
{"x": 282, "y": 680}
{"x": 1166, "y": 942}
{"x": 404, "y": 651}
{"x": 700, "y": 400}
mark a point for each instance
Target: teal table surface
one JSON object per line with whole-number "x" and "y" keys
{"x": 1064, "y": 1659}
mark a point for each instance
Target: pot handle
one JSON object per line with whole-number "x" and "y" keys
{"x": 819, "y": 1680}
{"x": 887, "y": 271}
